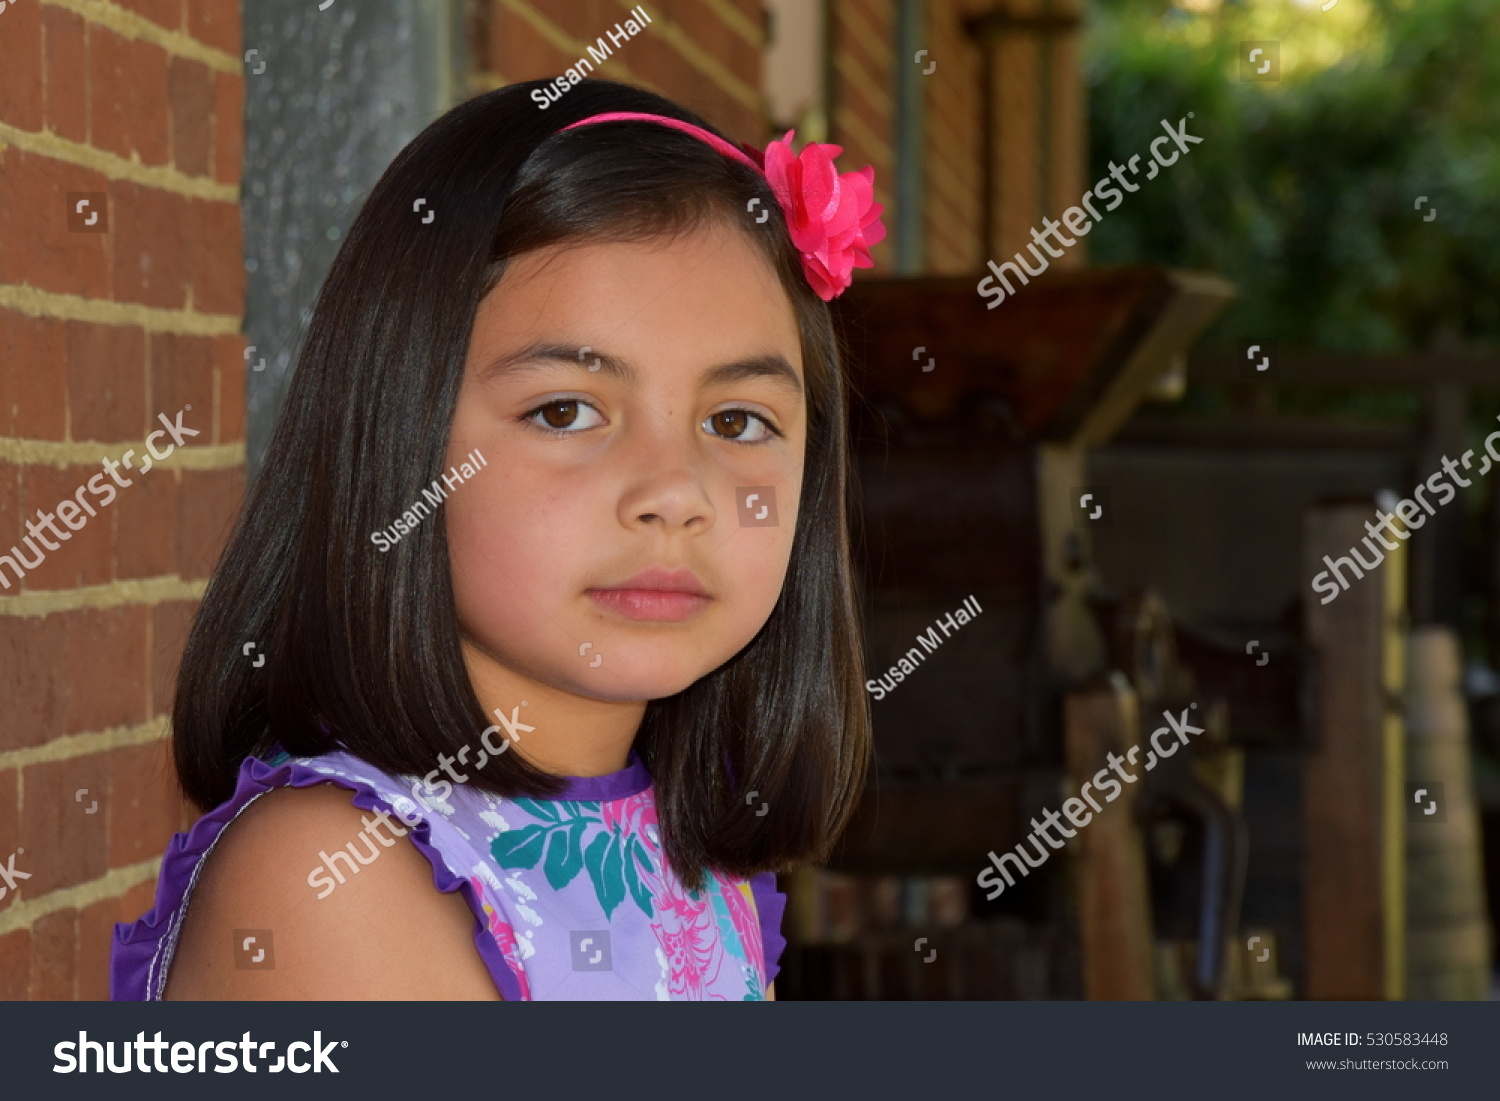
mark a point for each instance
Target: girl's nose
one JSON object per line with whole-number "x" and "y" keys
{"x": 665, "y": 481}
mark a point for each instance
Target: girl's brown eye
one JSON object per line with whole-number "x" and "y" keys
{"x": 740, "y": 426}
{"x": 731, "y": 422}
{"x": 559, "y": 414}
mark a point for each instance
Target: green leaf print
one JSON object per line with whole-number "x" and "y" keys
{"x": 564, "y": 855}
{"x": 606, "y": 868}
{"x": 539, "y": 809}
{"x": 519, "y": 848}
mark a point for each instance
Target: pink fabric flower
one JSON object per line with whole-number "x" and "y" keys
{"x": 833, "y": 218}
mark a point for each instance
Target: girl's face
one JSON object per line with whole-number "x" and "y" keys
{"x": 641, "y": 410}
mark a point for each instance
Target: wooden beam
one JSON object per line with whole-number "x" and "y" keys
{"x": 1256, "y": 433}
{"x": 1070, "y": 341}
{"x": 1114, "y": 906}
{"x": 1335, "y": 369}
{"x": 1353, "y": 801}
{"x": 1197, "y": 300}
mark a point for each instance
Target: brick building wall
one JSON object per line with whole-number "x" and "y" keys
{"x": 863, "y": 119}
{"x": 139, "y": 101}
{"x": 1037, "y": 100}
{"x": 704, "y": 54}
{"x": 952, "y": 178}
{"x": 1041, "y": 155}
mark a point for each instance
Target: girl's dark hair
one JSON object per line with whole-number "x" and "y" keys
{"x": 363, "y": 647}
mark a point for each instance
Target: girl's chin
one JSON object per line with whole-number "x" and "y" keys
{"x": 627, "y": 689}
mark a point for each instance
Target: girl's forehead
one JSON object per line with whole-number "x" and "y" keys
{"x": 712, "y": 283}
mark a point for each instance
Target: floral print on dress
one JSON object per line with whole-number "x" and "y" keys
{"x": 615, "y": 857}
{"x": 689, "y": 935}
{"x": 553, "y": 854}
{"x": 504, "y": 936}
{"x": 740, "y": 902}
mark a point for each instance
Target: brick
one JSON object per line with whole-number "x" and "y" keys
{"x": 33, "y": 678}
{"x": 136, "y": 902}
{"x": 150, "y": 130}
{"x": 191, "y": 89}
{"x": 859, "y": 106}
{"x": 182, "y": 375}
{"x": 35, "y": 353}
{"x": 218, "y": 266}
{"x": 521, "y": 53}
{"x": 707, "y": 30}
{"x": 216, "y": 23}
{"x": 107, "y": 653}
{"x": 10, "y": 519}
{"x": 145, "y": 802}
{"x": 164, "y": 13}
{"x": 206, "y": 511}
{"x": 33, "y": 376}
{"x": 110, "y": 92}
{"x": 145, "y": 543}
{"x": 106, "y": 381}
{"x": 753, "y": 10}
{"x": 54, "y": 955}
{"x": 39, "y": 250}
{"x": 66, "y": 87}
{"x": 21, "y": 70}
{"x": 582, "y": 19}
{"x": 229, "y": 127}
{"x": 96, "y": 937}
{"x": 10, "y": 810}
{"x": 86, "y": 557}
{"x": 170, "y": 624}
{"x": 65, "y": 845}
{"x": 15, "y": 962}
{"x": 232, "y": 369}
{"x": 151, "y": 246}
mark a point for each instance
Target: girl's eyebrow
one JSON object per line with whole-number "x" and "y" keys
{"x": 772, "y": 366}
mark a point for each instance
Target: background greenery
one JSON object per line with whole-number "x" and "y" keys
{"x": 1303, "y": 192}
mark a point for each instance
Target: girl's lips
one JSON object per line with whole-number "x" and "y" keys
{"x": 659, "y": 604}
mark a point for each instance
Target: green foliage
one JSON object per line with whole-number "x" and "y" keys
{"x": 1303, "y": 192}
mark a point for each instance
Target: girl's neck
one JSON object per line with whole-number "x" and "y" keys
{"x": 557, "y": 731}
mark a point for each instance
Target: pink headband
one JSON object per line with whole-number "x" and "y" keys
{"x": 833, "y": 218}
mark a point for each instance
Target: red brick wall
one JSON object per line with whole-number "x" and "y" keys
{"x": 704, "y": 54}
{"x": 863, "y": 121}
{"x": 952, "y": 178}
{"x": 1038, "y": 167}
{"x": 99, "y": 332}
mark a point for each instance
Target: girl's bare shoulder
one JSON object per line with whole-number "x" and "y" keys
{"x": 269, "y": 918}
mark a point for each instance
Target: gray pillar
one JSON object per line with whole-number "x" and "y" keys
{"x": 339, "y": 92}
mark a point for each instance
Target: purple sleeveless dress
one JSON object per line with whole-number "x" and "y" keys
{"x": 571, "y": 896}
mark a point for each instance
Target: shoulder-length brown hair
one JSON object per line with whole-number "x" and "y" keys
{"x": 364, "y": 648}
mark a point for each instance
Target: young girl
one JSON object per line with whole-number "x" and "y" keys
{"x": 555, "y": 646}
